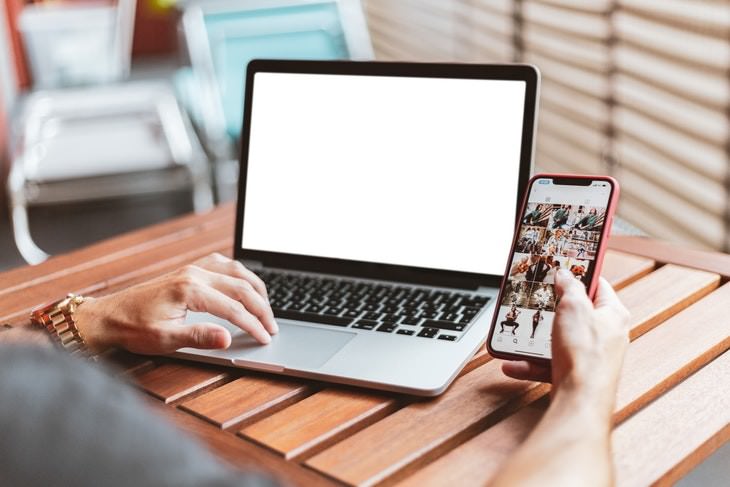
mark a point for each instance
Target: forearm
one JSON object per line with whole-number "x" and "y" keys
{"x": 570, "y": 446}
{"x": 23, "y": 335}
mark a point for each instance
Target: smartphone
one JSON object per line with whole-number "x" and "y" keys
{"x": 564, "y": 223}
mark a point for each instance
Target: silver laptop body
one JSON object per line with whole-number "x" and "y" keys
{"x": 378, "y": 201}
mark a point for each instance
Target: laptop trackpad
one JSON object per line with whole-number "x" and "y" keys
{"x": 294, "y": 347}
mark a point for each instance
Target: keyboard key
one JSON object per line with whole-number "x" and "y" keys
{"x": 387, "y": 328}
{"x": 405, "y": 332}
{"x": 449, "y": 338}
{"x": 333, "y": 311}
{"x": 311, "y": 317}
{"x": 365, "y": 325}
{"x": 444, "y": 325}
{"x": 350, "y": 313}
{"x": 371, "y": 323}
{"x": 410, "y": 321}
{"x": 314, "y": 308}
{"x": 428, "y": 332}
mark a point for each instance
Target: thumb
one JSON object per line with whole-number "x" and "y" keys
{"x": 201, "y": 335}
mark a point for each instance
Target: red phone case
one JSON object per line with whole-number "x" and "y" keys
{"x": 592, "y": 286}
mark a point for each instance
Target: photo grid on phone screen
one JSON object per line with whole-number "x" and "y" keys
{"x": 550, "y": 237}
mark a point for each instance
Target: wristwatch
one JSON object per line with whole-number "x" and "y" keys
{"x": 57, "y": 319}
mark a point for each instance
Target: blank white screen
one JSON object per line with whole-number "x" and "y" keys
{"x": 409, "y": 171}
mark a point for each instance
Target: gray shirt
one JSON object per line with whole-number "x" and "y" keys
{"x": 65, "y": 422}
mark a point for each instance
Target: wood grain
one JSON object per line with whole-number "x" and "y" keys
{"x": 621, "y": 269}
{"x": 478, "y": 460}
{"x": 319, "y": 420}
{"x": 95, "y": 279}
{"x": 664, "y": 293}
{"x": 241, "y": 454}
{"x": 245, "y": 398}
{"x": 668, "y": 252}
{"x": 663, "y": 357}
{"x": 172, "y": 381}
{"x": 677, "y": 431}
{"x": 410, "y": 437}
{"x": 125, "y": 363}
{"x": 106, "y": 251}
{"x": 322, "y": 419}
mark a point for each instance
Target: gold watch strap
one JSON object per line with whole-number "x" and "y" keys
{"x": 57, "y": 319}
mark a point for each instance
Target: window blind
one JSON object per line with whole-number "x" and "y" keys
{"x": 635, "y": 88}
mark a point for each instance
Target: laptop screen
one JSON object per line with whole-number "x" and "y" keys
{"x": 407, "y": 171}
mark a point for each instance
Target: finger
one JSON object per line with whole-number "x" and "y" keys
{"x": 222, "y": 264}
{"x": 526, "y": 371}
{"x": 243, "y": 292}
{"x": 205, "y": 298}
{"x": 566, "y": 283}
{"x": 200, "y": 335}
{"x": 606, "y": 296}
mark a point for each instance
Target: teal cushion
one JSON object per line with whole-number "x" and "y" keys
{"x": 295, "y": 32}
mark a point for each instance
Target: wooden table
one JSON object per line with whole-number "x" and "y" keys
{"x": 672, "y": 411}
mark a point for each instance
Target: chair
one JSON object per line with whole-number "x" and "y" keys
{"x": 111, "y": 141}
{"x": 222, "y": 36}
{"x": 101, "y": 141}
{"x": 78, "y": 44}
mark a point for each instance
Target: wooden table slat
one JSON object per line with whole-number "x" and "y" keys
{"x": 670, "y": 352}
{"x": 478, "y": 460}
{"x": 130, "y": 243}
{"x": 413, "y": 435}
{"x": 663, "y": 293}
{"x": 244, "y": 455}
{"x": 652, "y": 366}
{"x": 245, "y": 399}
{"x": 671, "y": 252}
{"x": 85, "y": 281}
{"x": 318, "y": 421}
{"x": 677, "y": 431}
{"x": 172, "y": 381}
{"x": 126, "y": 363}
{"x": 622, "y": 269}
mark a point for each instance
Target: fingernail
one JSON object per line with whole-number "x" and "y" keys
{"x": 266, "y": 339}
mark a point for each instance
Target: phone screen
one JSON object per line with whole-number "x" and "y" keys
{"x": 560, "y": 229}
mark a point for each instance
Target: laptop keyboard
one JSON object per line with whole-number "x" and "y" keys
{"x": 401, "y": 310}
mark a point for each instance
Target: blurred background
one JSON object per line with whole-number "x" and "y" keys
{"x": 115, "y": 114}
{"x": 119, "y": 113}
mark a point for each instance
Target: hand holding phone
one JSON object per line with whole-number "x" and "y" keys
{"x": 564, "y": 224}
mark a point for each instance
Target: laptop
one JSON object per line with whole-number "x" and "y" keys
{"x": 378, "y": 202}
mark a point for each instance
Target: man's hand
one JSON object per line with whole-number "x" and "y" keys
{"x": 588, "y": 342}
{"x": 571, "y": 445}
{"x": 149, "y": 318}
